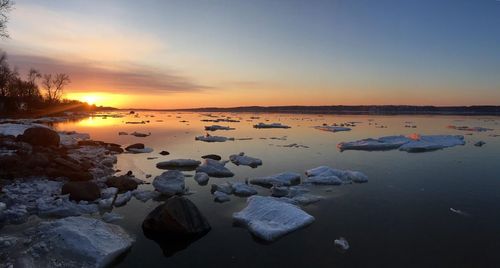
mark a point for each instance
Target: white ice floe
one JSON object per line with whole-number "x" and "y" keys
{"x": 270, "y": 219}
{"x": 170, "y": 182}
{"x": 145, "y": 195}
{"x": 272, "y": 125}
{"x": 77, "y": 242}
{"x": 209, "y": 138}
{"x": 341, "y": 244}
{"x": 71, "y": 138}
{"x": 27, "y": 193}
{"x": 411, "y": 143}
{"x": 62, "y": 207}
{"x": 243, "y": 189}
{"x": 111, "y": 217}
{"x": 224, "y": 187}
{"x": 106, "y": 203}
{"x": 145, "y": 150}
{"x": 123, "y": 199}
{"x": 473, "y": 129}
{"x": 242, "y": 159}
{"x": 217, "y": 127}
{"x": 11, "y": 129}
{"x": 306, "y": 199}
{"x": 178, "y": 163}
{"x": 324, "y": 175}
{"x": 109, "y": 192}
{"x": 332, "y": 128}
{"x": 201, "y": 178}
{"x": 215, "y": 168}
{"x": 221, "y": 197}
{"x": 281, "y": 179}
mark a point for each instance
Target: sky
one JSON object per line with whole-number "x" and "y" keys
{"x": 226, "y": 53}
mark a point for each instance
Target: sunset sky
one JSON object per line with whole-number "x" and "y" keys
{"x": 180, "y": 54}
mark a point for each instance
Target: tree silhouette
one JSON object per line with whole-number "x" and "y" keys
{"x": 5, "y": 7}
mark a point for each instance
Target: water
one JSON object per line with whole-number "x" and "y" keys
{"x": 400, "y": 218}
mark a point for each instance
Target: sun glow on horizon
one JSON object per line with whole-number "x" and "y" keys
{"x": 97, "y": 98}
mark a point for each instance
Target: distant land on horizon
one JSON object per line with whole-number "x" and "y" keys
{"x": 351, "y": 109}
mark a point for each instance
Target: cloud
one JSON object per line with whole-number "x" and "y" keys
{"x": 117, "y": 78}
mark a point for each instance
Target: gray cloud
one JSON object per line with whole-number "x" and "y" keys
{"x": 130, "y": 78}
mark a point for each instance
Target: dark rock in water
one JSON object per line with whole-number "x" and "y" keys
{"x": 123, "y": 183}
{"x": 87, "y": 191}
{"x": 178, "y": 216}
{"x": 212, "y": 156}
{"x": 68, "y": 164}
{"x": 164, "y": 153}
{"x": 129, "y": 173}
{"x": 113, "y": 147}
{"x": 37, "y": 160}
{"x": 71, "y": 175}
{"x": 40, "y": 136}
{"x": 135, "y": 146}
{"x": 175, "y": 224}
{"x": 479, "y": 143}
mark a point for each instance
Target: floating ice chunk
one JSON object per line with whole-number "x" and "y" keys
{"x": 412, "y": 143}
{"x": 217, "y": 127}
{"x": 466, "y": 128}
{"x": 145, "y": 150}
{"x": 380, "y": 144}
{"x": 221, "y": 197}
{"x": 279, "y": 191}
{"x": 281, "y": 179}
{"x": 306, "y": 199}
{"x": 170, "y": 182}
{"x": 272, "y": 125}
{"x": 215, "y": 168}
{"x": 106, "y": 203}
{"x": 201, "y": 178}
{"x": 209, "y": 138}
{"x": 459, "y": 212}
{"x": 178, "y": 163}
{"x": 242, "y": 159}
{"x": 16, "y": 214}
{"x": 225, "y": 187}
{"x": 330, "y": 176}
{"x": 145, "y": 195}
{"x": 111, "y": 217}
{"x": 332, "y": 128}
{"x": 63, "y": 207}
{"x": 270, "y": 219}
{"x": 242, "y": 189}
{"x": 109, "y": 192}
{"x": 123, "y": 199}
{"x": 432, "y": 143}
{"x": 71, "y": 138}
{"x": 341, "y": 244}
{"x": 27, "y": 192}
{"x": 79, "y": 242}
{"x": 11, "y": 129}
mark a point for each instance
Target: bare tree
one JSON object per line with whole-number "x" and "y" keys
{"x": 7, "y": 75}
{"x": 33, "y": 76}
{"x": 5, "y": 7}
{"x": 54, "y": 86}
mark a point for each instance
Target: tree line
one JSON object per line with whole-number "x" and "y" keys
{"x": 34, "y": 91}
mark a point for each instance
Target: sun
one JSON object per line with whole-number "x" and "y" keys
{"x": 90, "y": 99}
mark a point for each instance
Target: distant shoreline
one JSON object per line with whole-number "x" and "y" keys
{"x": 350, "y": 110}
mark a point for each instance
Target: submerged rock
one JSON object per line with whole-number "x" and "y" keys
{"x": 270, "y": 219}
{"x": 281, "y": 179}
{"x": 212, "y": 156}
{"x": 215, "y": 169}
{"x": 242, "y": 159}
{"x": 479, "y": 143}
{"x": 272, "y": 125}
{"x": 170, "y": 182}
{"x": 412, "y": 143}
{"x": 225, "y": 187}
{"x": 179, "y": 163}
{"x": 138, "y": 148}
{"x": 123, "y": 183}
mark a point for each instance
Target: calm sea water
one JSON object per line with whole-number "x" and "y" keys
{"x": 400, "y": 218}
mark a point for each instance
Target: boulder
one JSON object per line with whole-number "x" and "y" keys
{"x": 123, "y": 183}
{"x": 41, "y": 136}
{"x": 88, "y": 191}
{"x": 177, "y": 217}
